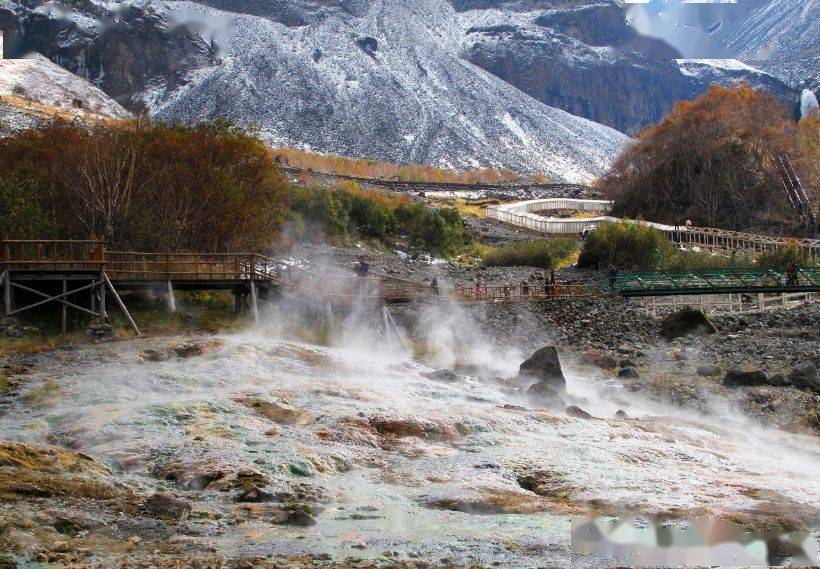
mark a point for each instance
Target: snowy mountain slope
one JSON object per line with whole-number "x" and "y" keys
{"x": 44, "y": 83}
{"x": 780, "y": 36}
{"x": 449, "y": 82}
{"x": 774, "y": 29}
{"x": 388, "y": 85}
{"x": 597, "y": 72}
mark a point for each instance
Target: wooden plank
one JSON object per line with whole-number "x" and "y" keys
{"x": 58, "y": 298}
{"x": 254, "y": 303}
{"x": 172, "y": 303}
{"x": 7, "y": 307}
{"x": 64, "y": 311}
{"x": 121, "y": 304}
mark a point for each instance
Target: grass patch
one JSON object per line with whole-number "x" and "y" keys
{"x": 208, "y": 312}
{"x": 5, "y": 384}
{"x": 542, "y": 253}
{"x": 40, "y": 396}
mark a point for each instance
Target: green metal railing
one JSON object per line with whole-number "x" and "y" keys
{"x": 713, "y": 281}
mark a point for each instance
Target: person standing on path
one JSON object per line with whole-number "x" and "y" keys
{"x": 362, "y": 270}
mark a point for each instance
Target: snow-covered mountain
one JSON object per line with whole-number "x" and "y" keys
{"x": 38, "y": 81}
{"x": 35, "y": 90}
{"x": 458, "y": 83}
{"x": 780, "y": 36}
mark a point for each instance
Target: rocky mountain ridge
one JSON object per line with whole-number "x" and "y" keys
{"x": 455, "y": 83}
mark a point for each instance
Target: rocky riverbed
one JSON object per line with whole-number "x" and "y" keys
{"x": 254, "y": 449}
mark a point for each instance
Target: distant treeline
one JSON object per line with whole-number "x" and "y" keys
{"x": 365, "y": 168}
{"x": 210, "y": 187}
{"x": 715, "y": 161}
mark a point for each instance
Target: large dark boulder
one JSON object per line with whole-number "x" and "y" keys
{"x": 546, "y": 395}
{"x": 685, "y": 322}
{"x": 544, "y": 366}
{"x": 804, "y": 375}
{"x": 745, "y": 374}
{"x": 168, "y": 507}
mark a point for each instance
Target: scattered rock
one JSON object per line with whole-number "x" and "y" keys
{"x": 777, "y": 380}
{"x": 708, "y": 370}
{"x": 188, "y": 349}
{"x": 11, "y": 327}
{"x": 804, "y": 375}
{"x": 155, "y": 355}
{"x": 168, "y": 507}
{"x": 628, "y": 373}
{"x": 442, "y": 375}
{"x": 621, "y": 414}
{"x": 430, "y": 428}
{"x": 744, "y": 374}
{"x": 253, "y": 495}
{"x": 545, "y": 366}
{"x": 545, "y": 394}
{"x": 685, "y": 322}
{"x": 598, "y": 360}
{"x": 99, "y": 328}
{"x": 202, "y": 481}
{"x": 281, "y": 414}
{"x": 300, "y": 517}
{"x": 577, "y": 412}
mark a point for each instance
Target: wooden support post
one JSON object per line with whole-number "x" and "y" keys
{"x": 64, "y": 311}
{"x": 237, "y": 302}
{"x": 7, "y": 293}
{"x": 254, "y": 303}
{"x": 329, "y": 316}
{"x": 760, "y": 304}
{"x": 103, "y": 313}
{"x": 172, "y": 302}
{"x": 386, "y": 323}
{"x": 121, "y": 304}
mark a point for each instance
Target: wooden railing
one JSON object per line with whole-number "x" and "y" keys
{"x": 52, "y": 255}
{"x": 136, "y": 266}
{"x": 125, "y": 266}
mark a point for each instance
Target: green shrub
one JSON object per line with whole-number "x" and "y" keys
{"x": 541, "y": 253}
{"x": 625, "y": 245}
{"x": 347, "y": 213}
{"x": 699, "y": 260}
{"x": 784, "y": 257}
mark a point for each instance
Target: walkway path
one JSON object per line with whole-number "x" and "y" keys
{"x": 523, "y": 214}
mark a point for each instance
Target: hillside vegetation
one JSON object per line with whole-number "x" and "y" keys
{"x": 632, "y": 246}
{"x": 210, "y": 187}
{"x": 364, "y": 168}
{"x": 714, "y": 161}
{"x": 346, "y": 213}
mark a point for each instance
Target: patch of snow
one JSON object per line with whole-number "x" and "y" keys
{"x": 724, "y": 64}
{"x": 40, "y": 81}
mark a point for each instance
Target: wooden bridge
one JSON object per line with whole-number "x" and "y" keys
{"x": 80, "y": 275}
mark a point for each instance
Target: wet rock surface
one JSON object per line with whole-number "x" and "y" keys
{"x": 685, "y": 322}
{"x": 323, "y": 452}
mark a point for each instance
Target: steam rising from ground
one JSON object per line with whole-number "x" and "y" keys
{"x": 467, "y": 469}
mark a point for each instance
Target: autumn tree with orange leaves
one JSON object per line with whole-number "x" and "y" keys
{"x": 714, "y": 161}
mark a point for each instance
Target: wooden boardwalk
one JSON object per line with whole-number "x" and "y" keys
{"x": 58, "y": 271}
{"x": 82, "y": 275}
